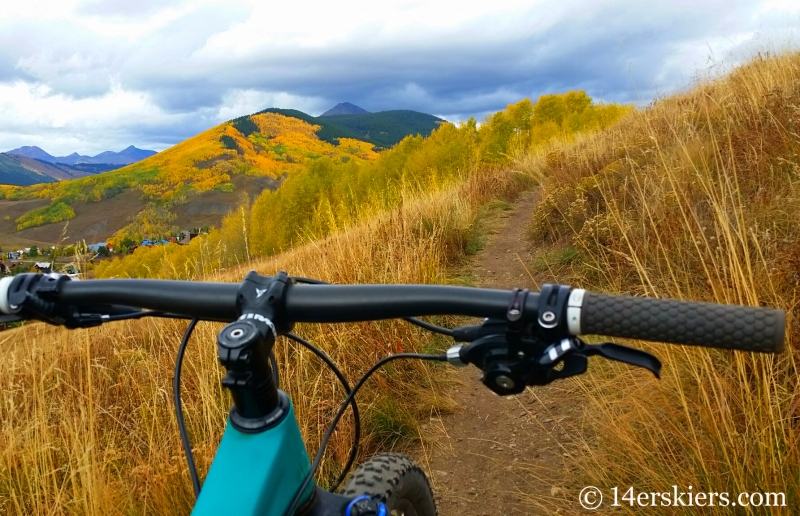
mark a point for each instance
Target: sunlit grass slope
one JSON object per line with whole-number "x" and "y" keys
{"x": 696, "y": 197}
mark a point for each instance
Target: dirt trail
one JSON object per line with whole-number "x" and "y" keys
{"x": 497, "y": 455}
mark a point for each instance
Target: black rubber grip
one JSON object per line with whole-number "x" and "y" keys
{"x": 684, "y": 322}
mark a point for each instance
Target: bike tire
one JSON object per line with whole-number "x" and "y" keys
{"x": 395, "y": 480}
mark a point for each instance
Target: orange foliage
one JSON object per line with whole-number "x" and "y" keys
{"x": 273, "y": 124}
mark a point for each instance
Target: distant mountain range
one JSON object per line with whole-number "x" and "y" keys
{"x": 31, "y": 165}
{"x": 123, "y": 157}
{"x": 345, "y": 108}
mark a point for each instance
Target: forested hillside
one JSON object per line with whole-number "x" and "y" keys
{"x": 383, "y": 129}
{"x": 264, "y": 145}
{"x": 269, "y": 144}
{"x": 329, "y": 194}
{"x": 273, "y": 145}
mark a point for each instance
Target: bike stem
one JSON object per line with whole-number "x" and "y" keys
{"x": 244, "y": 347}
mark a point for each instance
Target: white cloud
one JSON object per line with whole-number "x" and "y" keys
{"x": 91, "y": 75}
{"x": 55, "y": 121}
{"x": 238, "y": 102}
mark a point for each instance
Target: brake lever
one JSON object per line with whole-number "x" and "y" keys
{"x": 569, "y": 348}
{"x": 624, "y": 354}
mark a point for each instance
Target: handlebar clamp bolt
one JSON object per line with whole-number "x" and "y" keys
{"x": 548, "y": 317}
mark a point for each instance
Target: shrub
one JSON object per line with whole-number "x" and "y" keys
{"x": 50, "y": 214}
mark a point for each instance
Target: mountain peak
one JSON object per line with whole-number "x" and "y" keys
{"x": 31, "y": 151}
{"x": 344, "y": 108}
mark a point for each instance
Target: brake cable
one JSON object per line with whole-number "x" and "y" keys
{"x": 179, "y": 410}
{"x": 356, "y": 416}
{"x": 176, "y": 394}
{"x": 380, "y": 363}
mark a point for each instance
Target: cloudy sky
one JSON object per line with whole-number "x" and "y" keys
{"x": 95, "y": 75}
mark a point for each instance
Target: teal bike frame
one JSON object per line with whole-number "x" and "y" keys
{"x": 256, "y": 474}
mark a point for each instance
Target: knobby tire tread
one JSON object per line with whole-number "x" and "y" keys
{"x": 392, "y": 478}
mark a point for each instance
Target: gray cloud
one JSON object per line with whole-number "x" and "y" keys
{"x": 177, "y": 98}
{"x": 603, "y": 52}
{"x": 621, "y": 51}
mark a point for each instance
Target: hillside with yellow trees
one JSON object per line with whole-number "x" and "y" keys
{"x": 331, "y": 193}
{"x": 217, "y": 160}
{"x": 197, "y": 182}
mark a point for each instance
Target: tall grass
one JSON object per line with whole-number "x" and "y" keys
{"x": 86, "y": 422}
{"x": 696, "y": 197}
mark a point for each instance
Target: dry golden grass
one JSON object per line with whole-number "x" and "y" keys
{"x": 87, "y": 419}
{"x": 697, "y": 197}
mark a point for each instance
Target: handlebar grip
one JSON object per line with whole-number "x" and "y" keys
{"x": 684, "y": 322}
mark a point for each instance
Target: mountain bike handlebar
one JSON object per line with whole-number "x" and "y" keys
{"x": 579, "y": 313}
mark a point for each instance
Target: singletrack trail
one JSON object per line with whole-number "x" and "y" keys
{"x": 501, "y": 455}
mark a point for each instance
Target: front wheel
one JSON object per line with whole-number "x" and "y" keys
{"x": 396, "y": 481}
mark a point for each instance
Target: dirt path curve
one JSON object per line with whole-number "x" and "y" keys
{"x": 499, "y": 455}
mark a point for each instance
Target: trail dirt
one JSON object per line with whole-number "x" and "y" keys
{"x": 501, "y": 455}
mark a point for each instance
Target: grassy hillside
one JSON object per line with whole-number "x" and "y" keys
{"x": 697, "y": 197}
{"x": 12, "y": 172}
